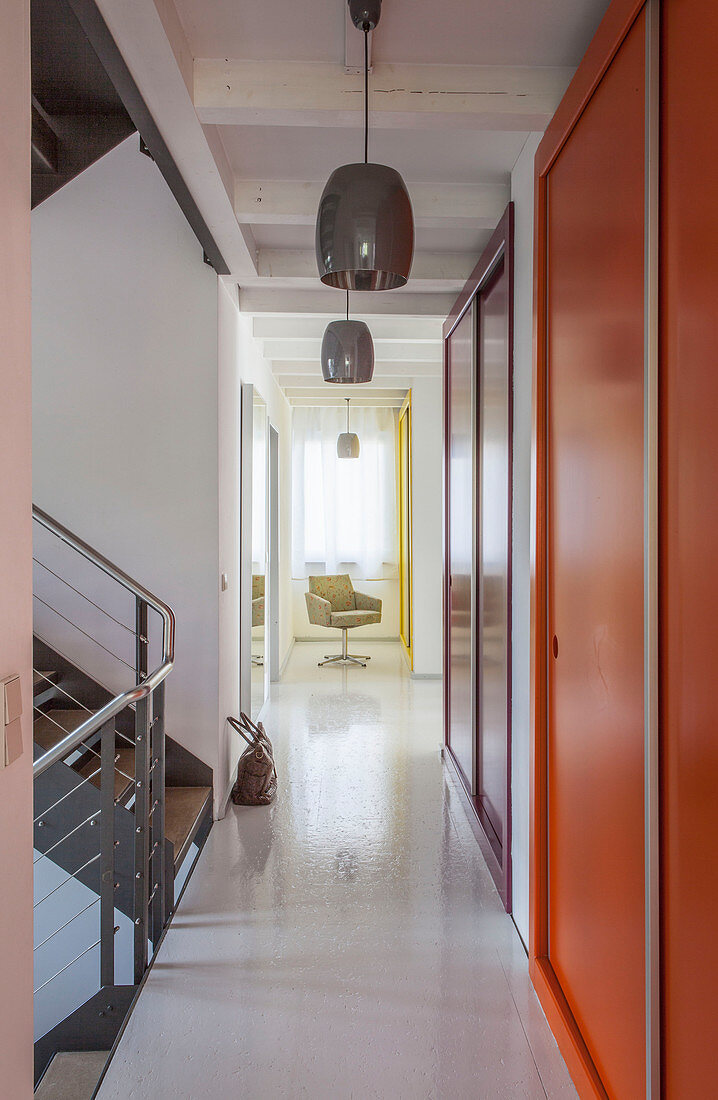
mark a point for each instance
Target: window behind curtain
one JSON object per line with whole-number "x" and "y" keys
{"x": 344, "y": 510}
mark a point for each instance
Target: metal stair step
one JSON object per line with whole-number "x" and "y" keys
{"x": 72, "y": 1075}
{"x": 124, "y": 768}
{"x": 42, "y": 680}
{"x": 184, "y": 808}
{"x": 51, "y": 727}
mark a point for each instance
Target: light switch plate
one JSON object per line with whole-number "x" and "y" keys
{"x": 13, "y": 742}
{"x": 13, "y": 699}
{"x": 11, "y": 713}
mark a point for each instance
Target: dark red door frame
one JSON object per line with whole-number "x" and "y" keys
{"x": 500, "y": 247}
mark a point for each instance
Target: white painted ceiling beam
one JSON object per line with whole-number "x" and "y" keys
{"x": 325, "y": 300}
{"x": 229, "y": 92}
{"x": 295, "y": 202}
{"x": 300, "y": 266}
{"x": 331, "y": 390}
{"x": 415, "y": 331}
{"x": 383, "y": 368}
{"x": 365, "y": 401}
{"x": 310, "y": 350}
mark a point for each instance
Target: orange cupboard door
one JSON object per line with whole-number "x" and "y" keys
{"x": 689, "y": 546}
{"x": 595, "y": 571}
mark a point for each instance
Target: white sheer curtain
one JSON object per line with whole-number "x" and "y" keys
{"x": 344, "y": 509}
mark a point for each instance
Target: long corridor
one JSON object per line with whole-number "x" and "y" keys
{"x": 348, "y": 941}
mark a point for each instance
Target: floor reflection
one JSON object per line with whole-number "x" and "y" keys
{"x": 348, "y": 940}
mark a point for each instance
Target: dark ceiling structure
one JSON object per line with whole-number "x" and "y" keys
{"x": 77, "y": 115}
{"x": 85, "y": 102}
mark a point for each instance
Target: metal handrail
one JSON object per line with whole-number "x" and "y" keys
{"x": 138, "y": 691}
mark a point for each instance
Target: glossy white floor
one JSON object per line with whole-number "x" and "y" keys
{"x": 348, "y": 941}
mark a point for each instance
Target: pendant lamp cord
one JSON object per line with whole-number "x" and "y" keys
{"x": 347, "y": 401}
{"x": 366, "y": 97}
{"x": 347, "y": 303}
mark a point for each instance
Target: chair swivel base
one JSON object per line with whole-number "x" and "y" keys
{"x": 345, "y": 657}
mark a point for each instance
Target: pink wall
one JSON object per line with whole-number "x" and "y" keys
{"x": 15, "y": 547}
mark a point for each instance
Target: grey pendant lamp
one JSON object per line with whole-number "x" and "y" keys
{"x": 365, "y": 224}
{"x": 347, "y": 442}
{"x": 347, "y": 351}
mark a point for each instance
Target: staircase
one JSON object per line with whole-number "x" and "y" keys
{"x": 121, "y": 809}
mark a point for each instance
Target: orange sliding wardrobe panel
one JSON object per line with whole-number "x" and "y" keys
{"x": 588, "y": 938}
{"x": 689, "y": 547}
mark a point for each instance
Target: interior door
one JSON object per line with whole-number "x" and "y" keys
{"x": 595, "y": 417}
{"x": 478, "y": 440}
{"x": 461, "y": 376}
{"x": 689, "y": 549}
{"x": 494, "y": 564}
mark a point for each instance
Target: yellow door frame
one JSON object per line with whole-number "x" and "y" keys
{"x": 404, "y": 498}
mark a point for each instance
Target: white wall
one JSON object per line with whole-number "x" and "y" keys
{"x": 229, "y": 535}
{"x": 125, "y": 398}
{"x": 426, "y": 460}
{"x": 522, "y": 194}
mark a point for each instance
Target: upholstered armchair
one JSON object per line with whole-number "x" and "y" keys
{"x": 332, "y": 601}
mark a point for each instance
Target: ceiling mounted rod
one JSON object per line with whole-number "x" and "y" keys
{"x": 366, "y": 97}
{"x": 365, "y": 224}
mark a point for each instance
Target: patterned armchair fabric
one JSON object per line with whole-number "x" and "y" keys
{"x": 366, "y": 603}
{"x": 257, "y": 599}
{"x": 337, "y": 589}
{"x": 319, "y": 610}
{"x": 333, "y": 601}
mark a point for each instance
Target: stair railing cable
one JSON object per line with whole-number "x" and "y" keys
{"x": 149, "y": 681}
{"x": 73, "y": 699}
{"x": 150, "y": 900}
{"x": 83, "y": 744}
{"x": 82, "y": 595}
{"x": 91, "y": 637}
{"x": 40, "y": 819}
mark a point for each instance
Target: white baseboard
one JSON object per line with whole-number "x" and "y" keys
{"x": 222, "y": 807}
{"x": 362, "y": 637}
{"x": 285, "y": 662}
{"x": 426, "y": 675}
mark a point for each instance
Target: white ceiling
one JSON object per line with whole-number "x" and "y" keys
{"x": 274, "y": 106}
{"x": 453, "y": 32}
{"x": 432, "y": 239}
{"x": 311, "y": 153}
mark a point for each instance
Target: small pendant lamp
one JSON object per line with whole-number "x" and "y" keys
{"x": 347, "y": 442}
{"x": 365, "y": 224}
{"x": 347, "y": 351}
